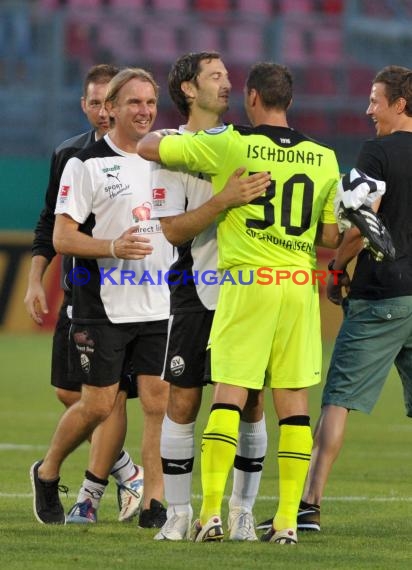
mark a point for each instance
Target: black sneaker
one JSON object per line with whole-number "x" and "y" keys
{"x": 264, "y": 525}
{"x": 155, "y": 517}
{"x": 47, "y": 506}
{"x": 308, "y": 517}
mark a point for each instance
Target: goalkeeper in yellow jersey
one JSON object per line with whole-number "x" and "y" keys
{"x": 266, "y": 330}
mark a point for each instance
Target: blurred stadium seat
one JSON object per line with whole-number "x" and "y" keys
{"x": 327, "y": 45}
{"x": 359, "y": 80}
{"x": 313, "y": 123}
{"x": 214, "y": 6}
{"x": 244, "y": 43}
{"x": 125, "y": 3}
{"x": 293, "y": 47}
{"x": 331, "y": 6}
{"x": 49, "y": 4}
{"x": 331, "y": 46}
{"x": 203, "y": 37}
{"x": 83, "y": 3}
{"x": 171, "y": 5}
{"x": 255, "y": 8}
{"x": 160, "y": 42}
{"x": 296, "y": 6}
{"x": 378, "y": 9}
{"x": 320, "y": 80}
{"x": 353, "y": 123}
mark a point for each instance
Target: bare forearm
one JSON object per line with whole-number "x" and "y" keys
{"x": 78, "y": 244}
{"x": 148, "y": 147}
{"x": 184, "y": 227}
{"x": 351, "y": 246}
{"x": 38, "y": 267}
{"x": 68, "y": 240}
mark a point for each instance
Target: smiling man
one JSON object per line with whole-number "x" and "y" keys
{"x": 377, "y": 328}
{"x": 101, "y": 190}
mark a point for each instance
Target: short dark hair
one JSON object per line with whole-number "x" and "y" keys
{"x": 398, "y": 83}
{"x": 186, "y": 68}
{"x": 101, "y": 73}
{"x": 273, "y": 82}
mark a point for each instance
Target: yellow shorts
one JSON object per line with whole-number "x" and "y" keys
{"x": 267, "y": 334}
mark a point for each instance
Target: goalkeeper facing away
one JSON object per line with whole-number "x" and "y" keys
{"x": 262, "y": 335}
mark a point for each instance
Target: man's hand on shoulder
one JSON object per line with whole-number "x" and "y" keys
{"x": 239, "y": 191}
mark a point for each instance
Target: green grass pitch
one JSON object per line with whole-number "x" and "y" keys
{"x": 366, "y": 514}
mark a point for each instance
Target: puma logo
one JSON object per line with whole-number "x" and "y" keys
{"x": 182, "y": 466}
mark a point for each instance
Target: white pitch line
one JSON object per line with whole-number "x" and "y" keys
{"x": 347, "y": 499}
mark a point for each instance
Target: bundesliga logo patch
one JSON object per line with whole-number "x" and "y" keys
{"x": 159, "y": 197}
{"x": 64, "y": 193}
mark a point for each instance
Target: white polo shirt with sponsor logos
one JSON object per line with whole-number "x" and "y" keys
{"x": 106, "y": 191}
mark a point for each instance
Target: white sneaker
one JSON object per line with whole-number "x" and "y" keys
{"x": 211, "y": 531}
{"x": 130, "y": 495}
{"x": 177, "y": 526}
{"x": 241, "y": 524}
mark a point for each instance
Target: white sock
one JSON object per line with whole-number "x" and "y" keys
{"x": 124, "y": 468}
{"x": 177, "y": 448}
{"x": 247, "y": 472}
{"x": 92, "y": 490}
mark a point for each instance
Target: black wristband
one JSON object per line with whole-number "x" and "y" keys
{"x": 331, "y": 268}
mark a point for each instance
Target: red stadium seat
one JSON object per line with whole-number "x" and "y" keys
{"x": 327, "y": 45}
{"x": 321, "y": 81}
{"x": 359, "y": 80}
{"x": 83, "y": 3}
{"x": 159, "y": 42}
{"x": 203, "y": 37}
{"x": 244, "y": 43}
{"x": 353, "y": 123}
{"x": 212, "y": 5}
{"x": 331, "y": 6}
{"x": 296, "y": 6}
{"x": 293, "y": 47}
{"x": 312, "y": 123}
{"x": 248, "y": 8}
{"x": 126, "y": 3}
{"x": 170, "y": 5}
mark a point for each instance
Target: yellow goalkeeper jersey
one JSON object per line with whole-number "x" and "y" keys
{"x": 279, "y": 227}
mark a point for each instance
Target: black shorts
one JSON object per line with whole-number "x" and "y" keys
{"x": 98, "y": 353}
{"x": 60, "y": 376}
{"x": 65, "y": 377}
{"x": 187, "y": 361}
